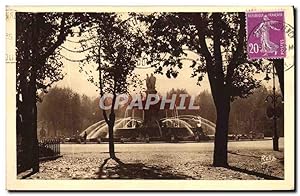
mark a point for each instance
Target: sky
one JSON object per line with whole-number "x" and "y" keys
{"x": 78, "y": 81}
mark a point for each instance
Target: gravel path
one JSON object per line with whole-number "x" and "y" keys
{"x": 244, "y": 164}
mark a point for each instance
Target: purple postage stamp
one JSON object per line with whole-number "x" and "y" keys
{"x": 266, "y": 35}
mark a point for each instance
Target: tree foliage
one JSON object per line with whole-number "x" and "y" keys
{"x": 113, "y": 50}
{"x": 219, "y": 42}
{"x": 40, "y": 50}
{"x": 38, "y": 36}
{"x": 180, "y": 36}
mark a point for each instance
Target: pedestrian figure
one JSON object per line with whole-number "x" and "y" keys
{"x": 42, "y": 133}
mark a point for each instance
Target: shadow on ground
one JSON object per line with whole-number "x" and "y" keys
{"x": 249, "y": 172}
{"x": 245, "y": 155}
{"x": 120, "y": 170}
{"x": 116, "y": 169}
{"x": 257, "y": 170}
{"x": 28, "y": 174}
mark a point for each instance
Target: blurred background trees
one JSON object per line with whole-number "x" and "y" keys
{"x": 247, "y": 114}
{"x": 65, "y": 113}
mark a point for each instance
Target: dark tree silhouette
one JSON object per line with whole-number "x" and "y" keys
{"x": 279, "y": 66}
{"x": 38, "y": 35}
{"x": 114, "y": 49}
{"x": 219, "y": 42}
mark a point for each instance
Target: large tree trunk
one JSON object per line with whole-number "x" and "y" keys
{"x": 279, "y": 66}
{"x": 32, "y": 117}
{"x": 111, "y": 142}
{"x": 26, "y": 134}
{"x": 35, "y": 147}
{"x": 219, "y": 83}
{"x": 28, "y": 126}
{"x": 33, "y": 92}
{"x": 221, "y": 97}
{"x": 24, "y": 155}
{"x": 221, "y": 134}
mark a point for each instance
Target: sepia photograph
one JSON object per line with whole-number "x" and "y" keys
{"x": 146, "y": 96}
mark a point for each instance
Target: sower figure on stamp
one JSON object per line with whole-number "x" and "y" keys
{"x": 263, "y": 31}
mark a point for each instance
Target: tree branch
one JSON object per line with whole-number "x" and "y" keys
{"x": 239, "y": 49}
{"x": 218, "y": 67}
{"x": 195, "y": 52}
{"x": 73, "y": 60}
{"x": 60, "y": 39}
{"x": 101, "y": 85}
{"x": 80, "y": 41}
{"x": 78, "y": 51}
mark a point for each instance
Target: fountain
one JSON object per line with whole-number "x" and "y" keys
{"x": 153, "y": 124}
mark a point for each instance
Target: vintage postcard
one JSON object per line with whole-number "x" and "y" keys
{"x": 150, "y": 98}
